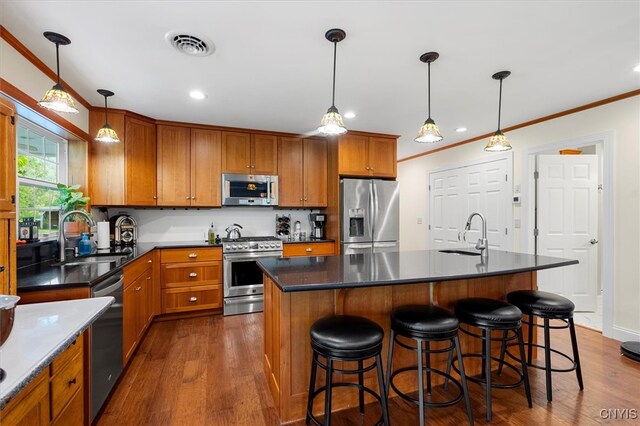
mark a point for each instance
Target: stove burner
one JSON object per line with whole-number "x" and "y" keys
{"x": 251, "y": 244}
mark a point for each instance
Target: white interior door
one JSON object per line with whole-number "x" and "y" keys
{"x": 568, "y": 224}
{"x": 456, "y": 193}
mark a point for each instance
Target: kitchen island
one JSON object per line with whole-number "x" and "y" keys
{"x": 302, "y": 290}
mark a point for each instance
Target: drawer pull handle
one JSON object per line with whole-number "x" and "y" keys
{"x": 148, "y": 278}
{"x": 309, "y": 249}
{"x": 193, "y": 299}
{"x": 193, "y": 275}
{"x": 72, "y": 382}
{"x": 193, "y": 255}
{"x": 138, "y": 288}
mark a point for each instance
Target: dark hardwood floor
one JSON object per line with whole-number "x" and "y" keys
{"x": 208, "y": 371}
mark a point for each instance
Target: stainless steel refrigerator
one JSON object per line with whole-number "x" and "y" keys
{"x": 370, "y": 215}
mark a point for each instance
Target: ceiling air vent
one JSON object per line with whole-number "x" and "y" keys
{"x": 190, "y": 44}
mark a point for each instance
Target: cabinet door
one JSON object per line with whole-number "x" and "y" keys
{"x": 129, "y": 323}
{"x": 106, "y": 162}
{"x": 140, "y": 162}
{"x": 8, "y": 157}
{"x": 353, "y": 155}
{"x": 4, "y": 257}
{"x": 31, "y": 406}
{"x": 315, "y": 173}
{"x": 142, "y": 304}
{"x": 382, "y": 157}
{"x": 149, "y": 297}
{"x": 206, "y": 166}
{"x": 174, "y": 158}
{"x": 264, "y": 155}
{"x": 290, "y": 175}
{"x": 236, "y": 152}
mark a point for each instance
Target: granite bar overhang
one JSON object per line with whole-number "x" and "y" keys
{"x": 395, "y": 268}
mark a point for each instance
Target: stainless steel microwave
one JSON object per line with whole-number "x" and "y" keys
{"x": 249, "y": 190}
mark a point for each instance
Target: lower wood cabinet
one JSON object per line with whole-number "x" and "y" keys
{"x": 137, "y": 304}
{"x": 308, "y": 249}
{"x": 191, "y": 279}
{"x": 55, "y": 397}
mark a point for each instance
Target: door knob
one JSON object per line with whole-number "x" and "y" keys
{"x": 593, "y": 241}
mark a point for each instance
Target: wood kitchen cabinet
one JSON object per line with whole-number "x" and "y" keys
{"x": 122, "y": 173}
{"x": 302, "y": 172}
{"x": 8, "y": 149}
{"x": 367, "y": 156}
{"x": 189, "y": 167}
{"x": 138, "y": 303}
{"x": 251, "y": 154}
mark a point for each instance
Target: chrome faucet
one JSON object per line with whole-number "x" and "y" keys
{"x": 62, "y": 239}
{"x": 483, "y": 243}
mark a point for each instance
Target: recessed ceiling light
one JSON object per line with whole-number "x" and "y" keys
{"x": 637, "y": 68}
{"x": 349, "y": 114}
{"x": 196, "y": 94}
{"x": 461, "y": 129}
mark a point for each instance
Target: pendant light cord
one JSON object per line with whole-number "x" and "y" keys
{"x": 333, "y": 95}
{"x": 429, "y": 88}
{"x": 106, "y": 119}
{"x": 500, "y": 105}
{"x": 58, "y": 61}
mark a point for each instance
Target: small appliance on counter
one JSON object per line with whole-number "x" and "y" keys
{"x": 318, "y": 225}
{"x": 124, "y": 230}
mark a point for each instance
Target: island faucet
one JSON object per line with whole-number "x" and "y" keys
{"x": 62, "y": 239}
{"x": 483, "y": 243}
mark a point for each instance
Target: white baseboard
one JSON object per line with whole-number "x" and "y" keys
{"x": 625, "y": 334}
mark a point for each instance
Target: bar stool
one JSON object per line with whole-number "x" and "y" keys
{"x": 426, "y": 324}
{"x": 351, "y": 339}
{"x": 489, "y": 315}
{"x": 547, "y": 306}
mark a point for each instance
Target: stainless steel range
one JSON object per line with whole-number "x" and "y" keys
{"x": 243, "y": 286}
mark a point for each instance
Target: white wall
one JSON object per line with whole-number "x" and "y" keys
{"x": 21, "y": 73}
{"x": 172, "y": 225}
{"x": 623, "y": 119}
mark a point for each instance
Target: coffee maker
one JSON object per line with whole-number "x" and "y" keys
{"x": 318, "y": 225}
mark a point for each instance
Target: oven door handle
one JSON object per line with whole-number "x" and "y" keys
{"x": 250, "y": 256}
{"x": 243, "y": 299}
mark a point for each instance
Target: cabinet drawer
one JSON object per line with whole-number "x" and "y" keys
{"x": 61, "y": 360}
{"x": 309, "y": 249}
{"x": 188, "y": 275}
{"x": 136, "y": 268}
{"x": 191, "y": 298}
{"x": 65, "y": 384}
{"x": 191, "y": 255}
{"x": 73, "y": 413}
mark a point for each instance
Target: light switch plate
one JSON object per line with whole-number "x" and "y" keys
{"x": 419, "y": 221}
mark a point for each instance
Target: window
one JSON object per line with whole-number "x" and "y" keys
{"x": 42, "y": 163}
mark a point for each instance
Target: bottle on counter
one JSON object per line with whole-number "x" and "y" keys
{"x": 84, "y": 245}
{"x": 218, "y": 239}
{"x": 212, "y": 234}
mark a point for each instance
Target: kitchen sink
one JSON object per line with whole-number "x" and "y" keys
{"x": 460, "y": 252}
{"x": 93, "y": 259}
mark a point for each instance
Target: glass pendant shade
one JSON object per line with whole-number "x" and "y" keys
{"x": 429, "y": 133}
{"x": 497, "y": 143}
{"x": 332, "y": 124}
{"x": 57, "y": 99}
{"x": 107, "y": 135}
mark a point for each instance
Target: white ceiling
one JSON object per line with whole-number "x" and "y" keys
{"x": 272, "y": 66}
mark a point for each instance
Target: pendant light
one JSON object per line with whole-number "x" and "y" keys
{"x": 429, "y": 132}
{"x": 57, "y": 99}
{"x": 331, "y": 124}
{"x": 106, "y": 134}
{"x": 498, "y": 141}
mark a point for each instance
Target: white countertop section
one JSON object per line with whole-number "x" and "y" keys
{"x": 41, "y": 331}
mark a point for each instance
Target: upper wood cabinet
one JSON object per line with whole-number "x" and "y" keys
{"x": 140, "y": 162}
{"x": 302, "y": 172}
{"x": 367, "y": 156}
{"x": 188, "y": 167}
{"x": 122, "y": 173}
{"x": 8, "y": 157}
{"x": 249, "y": 154}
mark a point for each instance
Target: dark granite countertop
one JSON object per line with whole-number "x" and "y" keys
{"x": 49, "y": 276}
{"x": 404, "y": 267}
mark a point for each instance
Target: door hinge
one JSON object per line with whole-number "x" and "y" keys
{"x": 429, "y": 187}
{"x": 599, "y": 187}
{"x": 506, "y": 178}
{"x": 13, "y": 120}
{"x": 536, "y": 175}
{"x": 13, "y": 199}
{"x": 535, "y": 232}
{"x": 506, "y": 231}
{"x": 429, "y": 227}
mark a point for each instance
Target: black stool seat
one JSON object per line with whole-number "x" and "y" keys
{"x": 424, "y": 322}
{"x": 346, "y": 336}
{"x": 541, "y": 303}
{"x": 488, "y": 313}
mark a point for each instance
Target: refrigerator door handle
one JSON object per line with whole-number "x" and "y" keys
{"x": 373, "y": 209}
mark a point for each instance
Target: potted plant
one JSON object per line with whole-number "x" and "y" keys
{"x": 71, "y": 199}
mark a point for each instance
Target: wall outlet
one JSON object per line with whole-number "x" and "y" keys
{"x": 419, "y": 221}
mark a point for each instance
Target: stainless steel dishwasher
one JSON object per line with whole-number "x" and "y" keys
{"x": 106, "y": 343}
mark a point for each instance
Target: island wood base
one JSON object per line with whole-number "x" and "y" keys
{"x": 288, "y": 318}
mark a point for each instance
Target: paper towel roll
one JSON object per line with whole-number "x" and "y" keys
{"x": 103, "y": 235}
